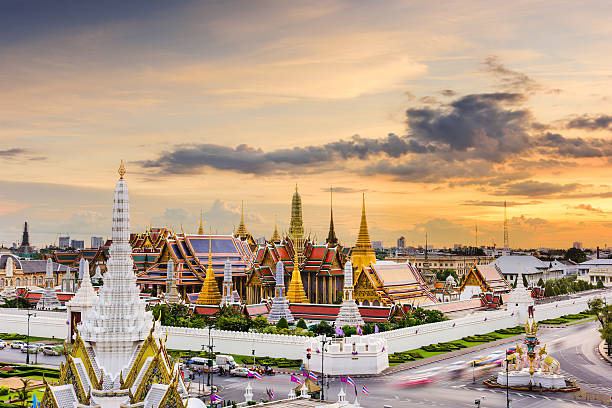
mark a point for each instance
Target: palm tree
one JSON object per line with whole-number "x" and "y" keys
{"x": 23, "y": 393}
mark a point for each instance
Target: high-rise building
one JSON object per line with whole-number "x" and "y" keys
{"x": 377, "y": 244}
{"x": 578, "y": 245}
{"x": 77, "y": 244}
{"x": 64, "y": 242}
{"x": 401, "y": 242}
{"x": 97, "y": 242}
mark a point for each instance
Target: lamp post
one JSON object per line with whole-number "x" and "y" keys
{"x": 30, "y": 314}
{"x": 507, "y": 383}
{"x": 324, "y": 341}
{"x": 473, "y": 371}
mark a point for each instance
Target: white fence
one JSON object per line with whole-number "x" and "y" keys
{"x": 270, "y": 345}
{"x": 54, "y": 324}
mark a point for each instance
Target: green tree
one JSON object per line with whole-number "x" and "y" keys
{"x": 323, "y": 328}
{"x": 282, "y": 324}
{"x": 525, "y": 281}
{"x": 600, "y": 284}
{"x": 575, "y": 254}
{"x": 349, "y": 330}
{"x": 442, "y": 274}
{"x": 541, "y": 282}
{"x": 302, "y": 324}
{"x": 260, "y": 323}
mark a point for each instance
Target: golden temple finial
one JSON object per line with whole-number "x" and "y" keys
{"x": 242, "y": 230}
{"x": 363, "y": 253}
{"x": 275, "y": 235}
{"x": 296, "y": 293}
{"x": 201, "y": 228}
{"x": 122, "y": 170}
{"x": 209, "y": 295}
{"x": 332, "y": 240}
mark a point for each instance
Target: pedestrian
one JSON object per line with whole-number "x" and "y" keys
{"x": 540, "y": 387}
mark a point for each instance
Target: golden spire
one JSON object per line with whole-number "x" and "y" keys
{"x": 295, "y": 293}
{"x": 242, "y": 231}
{"x": 201, "y": 228}
{"x": 209, "y": 295}
{"x": 363, "y": 254}
{"x": 275, "y": 236}
{"x": 296, "y": 226}
{"x": 121, "y": 170}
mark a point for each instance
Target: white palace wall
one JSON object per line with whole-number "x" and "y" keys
{"x": 54, "y": 324}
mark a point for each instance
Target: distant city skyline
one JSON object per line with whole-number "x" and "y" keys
{"x": 438, "y": 113}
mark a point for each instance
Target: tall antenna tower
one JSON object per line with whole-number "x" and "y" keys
{"x": 505, "y": 227}
{"x": 476, "y": 225}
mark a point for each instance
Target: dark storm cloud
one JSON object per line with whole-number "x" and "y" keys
{"x": 245, "y": 159}
{"x": 586, "y": 122}
{"x": 576, "y": 147}
{"x": 487, "y": 121}
{"x": 532, "y": 188}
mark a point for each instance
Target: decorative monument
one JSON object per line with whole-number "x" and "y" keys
{"x": 363, "y": 255}
{"x": 349, "y": 312}
{"x": 209, "y": 294}
{"x": 97, "y": 278}
{"x": 228, "y": 286}
{"x": 296, "y": 293}
{"x": 9, "y": 292}
{"x": 69, "y": 281}
{"x": 532, "y": 368}
{"x": 49, "y": 300}
{"x": 83, "y": 301}
{"x": 118, "y": 359}
{"x": 280, "y": 305}
{"x": 172, "y": 295}
{"x": 520, "y": 300}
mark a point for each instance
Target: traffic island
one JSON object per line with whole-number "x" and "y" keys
{"x": 570, "y": 386}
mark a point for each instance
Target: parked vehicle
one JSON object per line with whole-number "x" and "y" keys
{"x": 3, "y": 344}
{"x": 240, "y": 372}
{"x": 52, "y": 350}
{"x": 17, "y": 344}
{"x": 39, "y": 345}
{"x": 29, "y": 349}
{"x": 225, "y": 361}
{"x": 204, "y": 364}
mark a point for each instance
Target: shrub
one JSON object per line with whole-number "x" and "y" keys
{"x": 282, "y": 324}
{"x": 301, "y": 324}
{"x": 4, "y": 390}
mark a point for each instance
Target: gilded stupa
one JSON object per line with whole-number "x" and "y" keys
{"x": 363, "y": 255}
{"x": 296, "y": 293}
{"x": 331, "y": 240}
{"x": 201, "y": 227}
{"x": 275, "y": 236}
{"x": 210, "y": 295}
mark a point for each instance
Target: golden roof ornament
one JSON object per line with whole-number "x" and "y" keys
{"x": 363, "y": 253}
{"x": 201, "y": 227}
{"x": 122, "y": 170}
{"x": 209, "y": 295}
{"x": 296, "y": 293}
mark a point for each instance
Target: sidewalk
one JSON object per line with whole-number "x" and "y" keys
{"x": 602, "y": 351}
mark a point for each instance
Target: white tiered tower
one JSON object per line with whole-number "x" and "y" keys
{"x": 349, "y": 312}
{"x": 280, "y": 304}
{"x": 226, "y": 299}
{"x": 118, "y": 322}
{"x": 172, "y": 295}
{"x": 49, "y": 300}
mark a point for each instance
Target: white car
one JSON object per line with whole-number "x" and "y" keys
{"x": 17, "y": 344}
{"x": 240, "y": 372}
{"x": 29, "y": 349}
{"x": 3, "y": 344}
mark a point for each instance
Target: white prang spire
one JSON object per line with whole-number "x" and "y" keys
{"x": 226, "y": 299}
{"x": 48, "y": 299}
{"x": 349, "y": 311}
{"x": 118, "y": 322}
{"x": 280, "y": 304}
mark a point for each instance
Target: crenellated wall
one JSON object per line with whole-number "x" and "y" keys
{"x": 54, "y": 324}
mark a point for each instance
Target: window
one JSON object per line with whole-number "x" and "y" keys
{"x": 17, "y": 282}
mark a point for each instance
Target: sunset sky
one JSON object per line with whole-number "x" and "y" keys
{"x": 439, "y": 111}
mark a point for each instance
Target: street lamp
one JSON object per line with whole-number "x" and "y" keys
{"x": 507, "y": 383}
{"x": 30, "y": 314}
{"x": 324, "y": 341}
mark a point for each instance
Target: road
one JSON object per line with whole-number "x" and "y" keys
{"x": 573, "y": 346}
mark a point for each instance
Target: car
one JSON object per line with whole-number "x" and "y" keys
{"x": 29, "y": 349}
{"x": 3, "y": 344}
{"x": 17, "y": 344}
{"x": 52, "y": 350}
{"x": 40, "y": 345}
{"x": 240, "y": 372}
{"x": 204, "y": 364}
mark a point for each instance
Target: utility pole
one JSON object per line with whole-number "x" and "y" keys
{"x": 507, "y": 384}
{"x": 30, "y": 314}
{"x": 324, "y": 342}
